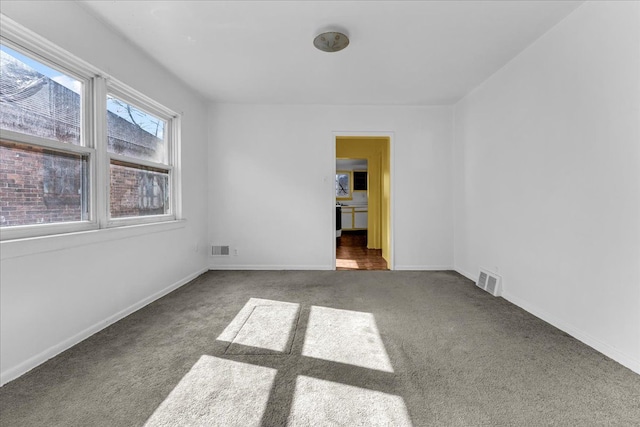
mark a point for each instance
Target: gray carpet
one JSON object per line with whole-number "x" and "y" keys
{"x": 326, "y": 348}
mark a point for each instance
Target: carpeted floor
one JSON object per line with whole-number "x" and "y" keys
{"x": 326, "y": 348}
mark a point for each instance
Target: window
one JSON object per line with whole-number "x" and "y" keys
{"x": 44, "y": 158}
{"x": 38, "y": 100}
{"x": 78, "y": 152}
{"x": 139, "y": 169}
{"x": 343, "y": 185}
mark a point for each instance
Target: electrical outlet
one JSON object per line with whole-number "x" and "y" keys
{"x": 236, "y": 252}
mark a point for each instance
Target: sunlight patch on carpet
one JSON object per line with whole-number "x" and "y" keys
{"x": 345, "y": 336}
{"x": 268, "y": 330}
{"x": 217, "y": 392}
{"x": 320, "y": 402}
{"x": 262, "y": 326}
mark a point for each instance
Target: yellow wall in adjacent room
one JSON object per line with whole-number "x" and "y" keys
{"x": 376, "y": 151}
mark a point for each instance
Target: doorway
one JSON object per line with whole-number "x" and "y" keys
{"x": 363, "y": 203}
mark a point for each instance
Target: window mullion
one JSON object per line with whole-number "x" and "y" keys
{"x": 175, "y": 151}
{"x": 101, "y": 168}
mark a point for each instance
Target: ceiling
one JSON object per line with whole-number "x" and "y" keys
{"x": 401, "y": 52}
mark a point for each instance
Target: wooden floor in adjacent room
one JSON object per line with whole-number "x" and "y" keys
{"x": 352, "y": 253}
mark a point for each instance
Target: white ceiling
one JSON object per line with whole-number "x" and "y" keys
{"x": 401, "y": 52}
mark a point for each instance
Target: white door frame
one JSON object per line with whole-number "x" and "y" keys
{"x": 332, "y": 168}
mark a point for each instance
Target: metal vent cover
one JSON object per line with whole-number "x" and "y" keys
{"x": 219, "y": 250}
{"x": 490, "y": 282}
{"x": 491, "y": 285}
{"x": 482, "y": 280}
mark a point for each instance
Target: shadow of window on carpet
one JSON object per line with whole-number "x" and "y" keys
{"x": 340, "y": 374}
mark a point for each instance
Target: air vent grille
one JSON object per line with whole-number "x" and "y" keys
{"x": 482, "y": 280}
{"x": 490, "y": 282}
{"x": 219, "y": 250}
{"x": 491, "y": 285}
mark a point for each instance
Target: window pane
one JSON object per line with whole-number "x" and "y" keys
{"x": 39, "y": 186}
{"x": 38, "y": 100}
{"x": 343, "y": 186}
{"x": 138, "y": 191}
{"x": 135, "y": 133}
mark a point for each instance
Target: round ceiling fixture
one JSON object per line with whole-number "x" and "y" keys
{"x": 331, "y": 41}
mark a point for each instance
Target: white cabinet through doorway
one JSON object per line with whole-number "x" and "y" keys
{"x": 360, "y": 218}
{"x": 347, "y": 218}
{"x": 354, "y": 218}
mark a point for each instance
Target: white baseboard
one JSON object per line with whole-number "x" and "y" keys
{"x": 322, "y": 267}
{"x": 466, "y": 274}
{"x": 609, "y": 351}
{"x": 423, "y": 267}
{"x": 24, "y": 367}
{"x": 268, "y": 267}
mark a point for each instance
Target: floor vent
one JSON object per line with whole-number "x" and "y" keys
{"x": 490, "y": 282}
{"x": 219, "y": 250}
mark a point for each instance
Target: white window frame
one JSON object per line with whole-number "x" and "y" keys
{"x": 96, "y": 85}
{"x": 146, "y": 105}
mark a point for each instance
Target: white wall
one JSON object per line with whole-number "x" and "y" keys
{"x": 261, "y": 156}
{"x": 55, "y": 291}
{"x": 547, "y": 178}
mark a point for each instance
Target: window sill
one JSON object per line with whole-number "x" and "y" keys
{"x": 35, "y": 245}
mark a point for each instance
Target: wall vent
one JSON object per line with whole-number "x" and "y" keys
{"x": 490, "y": 282}
{"x": 219, "y": 250}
